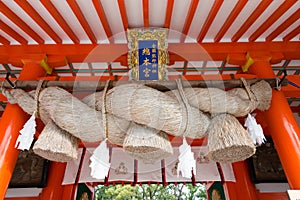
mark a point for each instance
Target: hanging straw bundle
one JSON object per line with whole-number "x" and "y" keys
{"x": 228, "y": 141}
{"x": 215, "y": 101}
{"x": 155, "y": 109}
{"x": 56, "y": 144}
{"x": 145, "y": 106}
{"x": 26, "y": 102}
{"x": 53, "y": 143}
{"x": 72, "y": 115}
{"x": 238, "y": 101}
{"x": 147, "y": 144}
{"x": 263, "y": 93}
{"x": 22, "y": 98}
{"x": 117, "y": 127}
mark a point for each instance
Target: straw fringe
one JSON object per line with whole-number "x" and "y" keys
{"x": 147, "y": 144}
{"x": 228, "y": 141}
{"x": 56, "y": 144}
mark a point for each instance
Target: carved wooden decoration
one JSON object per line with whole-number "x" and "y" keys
{"x": 265, "y": 165}
{"x": 30, "y": 171}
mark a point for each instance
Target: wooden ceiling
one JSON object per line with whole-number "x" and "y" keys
{"x": 105, "y": 21}
{"x": 71, "y": 29}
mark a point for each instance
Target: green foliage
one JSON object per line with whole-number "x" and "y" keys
{"x": 151, "y": 192}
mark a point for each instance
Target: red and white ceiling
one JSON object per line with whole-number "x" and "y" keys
{"x": 105, "y": 21}
{"x": 37, "y": 22}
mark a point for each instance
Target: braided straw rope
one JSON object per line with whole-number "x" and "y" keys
{"x": 53, "y": 143}
{"x": 72, "y": 115}
{"x": 238, "y": 101}
{"x": 116, "y": 127}
{"x": 154, "y": 109}
{"x": 140, "y": 106}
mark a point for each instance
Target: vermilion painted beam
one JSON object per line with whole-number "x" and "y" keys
{"x": 292, "y": 34}
{"x": 169, "y": 12}
{"x": 19, "y": 22}
{"x": 123, "y": 13}
{"x": 80, "y": 16}
{"x": 60, "y": 20}
{"x": 4, "y": 41}
{"x": 146, "y": 13}
{"x": 276, "y": 14}
{"x": 210, "y": 18}
{"x": 290, "y": 91}
{"x": 39, "y": 20}
{"x": 234, "y": 13}
{"x": 12, "y": 33}
{"x": 255, "y": 14}
{"x": 294, "y": 17}
{"x": 101, "y": 14}
{"x": 177, "y": 51}
{"x": 189, "y": 19}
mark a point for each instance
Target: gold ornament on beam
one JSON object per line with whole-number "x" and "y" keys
{"x": 148, "y": 56}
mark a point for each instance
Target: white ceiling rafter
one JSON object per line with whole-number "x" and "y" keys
{"x": 157, "y": 14}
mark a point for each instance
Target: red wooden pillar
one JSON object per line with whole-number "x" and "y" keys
{"x": 282, "y": 125}
{"x": 67, "y": 191}
{"x": 244, "y": 188}
{"x": 54, "y": 190}
{"x": 11, "y": 123}
{"x": 230, "y": 191}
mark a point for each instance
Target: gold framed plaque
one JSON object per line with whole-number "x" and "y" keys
{"x": 148, "y": 55}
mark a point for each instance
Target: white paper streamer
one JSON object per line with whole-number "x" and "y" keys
{"x": 26, "y": 136}
{"x": 255, "y": 130}
{"x": 100, "y": 161}
{"x": 187, "y": 162}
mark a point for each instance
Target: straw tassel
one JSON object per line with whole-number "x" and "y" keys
{"x": 25, "y": 138}
{"x": 187, "y": 162}
{"x": 255, "y": 130}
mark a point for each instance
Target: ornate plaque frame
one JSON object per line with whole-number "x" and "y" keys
{"x": 136, "y": 35}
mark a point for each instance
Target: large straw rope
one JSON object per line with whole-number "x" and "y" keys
{"x": 117, "y": 127}
{"x": 72, "y": 115}
{"x": 137, "y": 103}
{"x": 155, "y": 109}
{"x": 238, "y": 101}
{"x": 53, "y": 143}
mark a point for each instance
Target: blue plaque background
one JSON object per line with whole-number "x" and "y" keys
{"x": 148, "y": 60}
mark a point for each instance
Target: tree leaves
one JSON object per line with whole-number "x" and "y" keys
{"x": 151, "y": 192}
